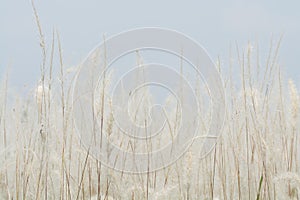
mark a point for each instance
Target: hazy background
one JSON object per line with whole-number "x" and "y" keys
{"x": 81, "y": 24}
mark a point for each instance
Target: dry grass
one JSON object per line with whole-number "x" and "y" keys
{"x": 257, "y": 156}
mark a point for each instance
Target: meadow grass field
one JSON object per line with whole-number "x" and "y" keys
{"x": 256, "y": 156}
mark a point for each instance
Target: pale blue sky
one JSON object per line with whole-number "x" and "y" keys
{"x": 81, "y": 24}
